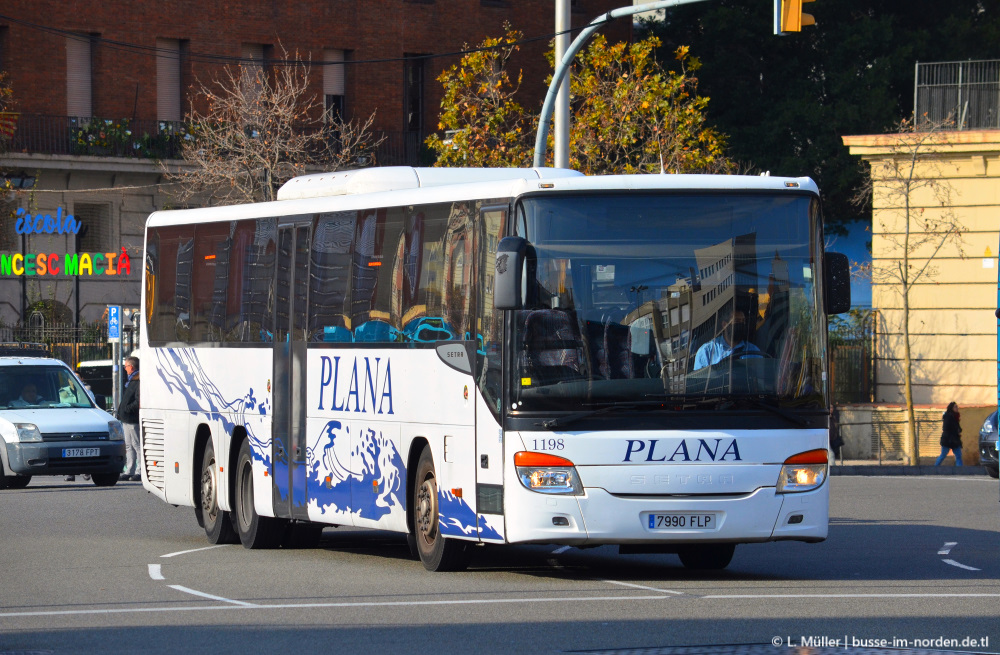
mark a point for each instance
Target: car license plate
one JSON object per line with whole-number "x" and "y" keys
{"x": 81, "y": 452}
{"x": 683, "y": 521}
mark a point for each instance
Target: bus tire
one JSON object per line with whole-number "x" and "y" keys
{"x": 437, "y": 553}
{"x": 218, "y": 525}
{"x": 707, "y": 557}
{"x": 255, "y": 531}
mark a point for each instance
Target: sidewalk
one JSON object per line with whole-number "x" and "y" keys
{"x": 872, "y": 467}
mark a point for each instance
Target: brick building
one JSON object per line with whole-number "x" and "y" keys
{"x": 125, "y": 70}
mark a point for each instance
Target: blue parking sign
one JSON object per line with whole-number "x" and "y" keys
{"x": 114, "y": 322}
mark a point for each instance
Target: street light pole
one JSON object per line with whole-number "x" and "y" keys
{"x": 560, "y": 130}
{"x": 563, "y": 65}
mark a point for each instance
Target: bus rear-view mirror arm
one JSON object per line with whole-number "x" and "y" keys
{"x": 837, "y": 269}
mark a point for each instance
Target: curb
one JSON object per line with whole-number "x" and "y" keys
{"x": 875, "y": 469}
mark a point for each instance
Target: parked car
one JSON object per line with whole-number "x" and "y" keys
{"x": 988, "y": 446}
{"x": 50, "y": 425}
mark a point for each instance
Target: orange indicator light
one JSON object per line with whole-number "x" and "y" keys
{"x": 457, "y": 493}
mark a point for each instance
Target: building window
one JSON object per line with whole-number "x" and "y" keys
{"x": 255, "y": 56}
{"x": 333, "y": 83}
{"x": 168, "y": 80}
{"x": 79, "y": 68}
{"x": 4, "y": 64}
{"x": 96, "y": 233}
{"x": 413, "y": 94}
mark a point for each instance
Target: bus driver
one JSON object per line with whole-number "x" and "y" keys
{"x": 732, "y": 341}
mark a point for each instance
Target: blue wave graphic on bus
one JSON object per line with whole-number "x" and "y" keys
{"x": 456, "y": 518}
{"x": 184, "y": 375}
{"x": 370, "y": 493}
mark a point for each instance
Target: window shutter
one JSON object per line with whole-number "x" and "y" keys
{"x": 168, "y": 79}
{"x": 333, "y": 73}
{"x": 79, "y": 98}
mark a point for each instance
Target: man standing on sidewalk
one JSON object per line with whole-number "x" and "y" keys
{"x": 128, "y": 414}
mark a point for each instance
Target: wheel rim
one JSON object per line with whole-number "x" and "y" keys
{"x": 427, "y": 511}
{"x": 209, "y": 505}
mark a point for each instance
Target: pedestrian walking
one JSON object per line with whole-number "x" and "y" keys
{"x": 128, "y": 414}
{"x": 951, "y": 434}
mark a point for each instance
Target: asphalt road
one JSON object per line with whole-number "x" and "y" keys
{"x": 88, "y": 570}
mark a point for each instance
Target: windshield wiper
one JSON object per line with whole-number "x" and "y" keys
{"x": 760, "y": 403}
{"x": 560, "y": 421}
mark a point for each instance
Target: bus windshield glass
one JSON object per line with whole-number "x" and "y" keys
{"x": 682, "y": 301}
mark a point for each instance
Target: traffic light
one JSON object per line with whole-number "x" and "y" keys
{"x": 788, "y": 16}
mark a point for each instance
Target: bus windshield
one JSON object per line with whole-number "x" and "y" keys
{"x": 700, "y": 301}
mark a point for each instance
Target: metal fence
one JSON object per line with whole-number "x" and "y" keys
{"x": 852, "y": 358}
{"x": 889, "y": 432}
{"x": 72, "y": 344}
{"x": 154, "y": 139}
{"x": 966, "y": 93}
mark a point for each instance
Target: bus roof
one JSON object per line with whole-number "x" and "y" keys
{"x": 392, "y": 178}
{"x": 401, "y": 185}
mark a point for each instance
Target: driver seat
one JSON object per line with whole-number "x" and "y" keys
{"x": 553, "y": 350}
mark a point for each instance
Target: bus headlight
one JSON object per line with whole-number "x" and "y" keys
{"x": 803, "y": 472}
{"x": 547, "y": 474}
{"x": 115, "y": 431}
{"x": 27, "y": 432}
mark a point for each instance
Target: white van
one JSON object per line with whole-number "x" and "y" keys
{"x": 50, "y": 425}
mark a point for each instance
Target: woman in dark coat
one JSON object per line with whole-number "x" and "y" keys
{"x": 951, "y": 435}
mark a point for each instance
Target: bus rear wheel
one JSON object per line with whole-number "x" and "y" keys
{"x": 218, "y": 525}
{"x": 255, "y": 531}
{"x": 436, "y": 552}
{"x": 707, "y": 557}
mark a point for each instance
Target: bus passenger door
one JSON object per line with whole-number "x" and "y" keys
{"x": 288, "y": 443}
{"x": 489, "y": 338}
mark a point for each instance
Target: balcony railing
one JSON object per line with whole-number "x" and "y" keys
{"x": 152, "y": 139}
{"x": 964, "y": 93}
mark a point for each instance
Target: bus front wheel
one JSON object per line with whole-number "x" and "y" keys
{"x": 218, "y": 525}
{"x": 436, "y": 552}
{"x": 255, "y": 531}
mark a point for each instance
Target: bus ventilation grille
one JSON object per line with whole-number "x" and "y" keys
{"x": 152, "y": 450}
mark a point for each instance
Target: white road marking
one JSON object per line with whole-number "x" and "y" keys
{"x": 728, "y": 596}
{"x": 154, "y": 572}
{"x": 947, "y": 547}
{"x": 961, "y": 566}
{"x": 639, "y": 586}
{"x": 559, "y": 551}
{"x": 210, "y": 596}
{"x": 239, "y": 605}
{"x": 193, "y": 550}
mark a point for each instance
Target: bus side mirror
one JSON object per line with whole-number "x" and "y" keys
{"x": 507, "y": 287}
{"x": 837, "y": 269}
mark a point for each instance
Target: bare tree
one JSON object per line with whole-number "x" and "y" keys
{"x": 261, "y": 128}
{"x": 918, "y": 219}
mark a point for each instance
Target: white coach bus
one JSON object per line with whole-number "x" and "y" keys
{"x": 503, "y": 356}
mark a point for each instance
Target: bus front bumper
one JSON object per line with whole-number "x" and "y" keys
{"x": 599, "y": 518}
